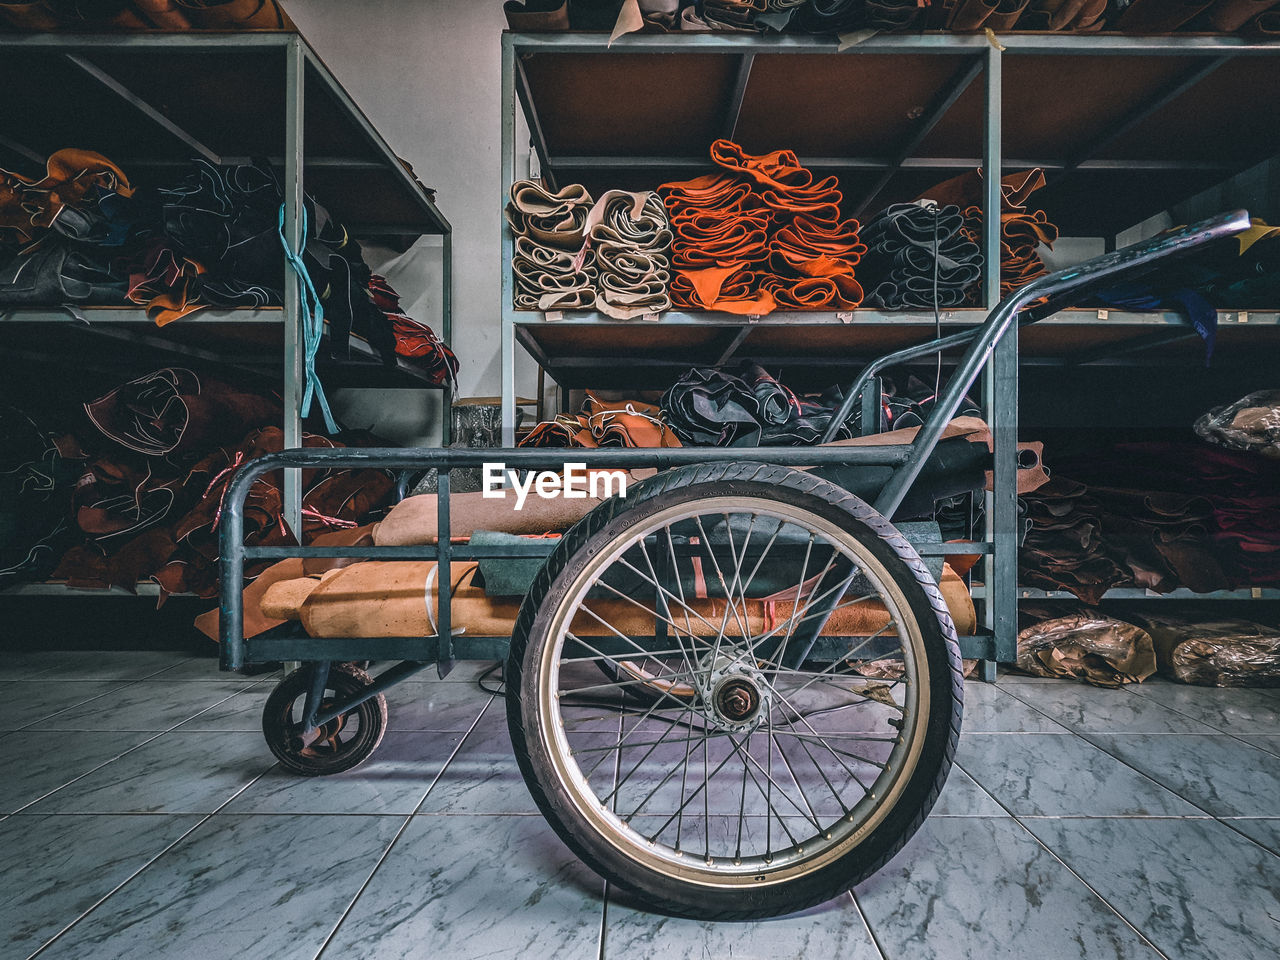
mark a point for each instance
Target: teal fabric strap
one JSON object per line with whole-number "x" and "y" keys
{"x": 312, "y": 325}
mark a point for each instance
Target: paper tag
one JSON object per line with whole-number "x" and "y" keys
{"x": 552, "y": 315}
{"x": 1242, "y": 317}
{"x": 1103, "y": 314}
{"x": 753, "y": 317}
{"x": 845, "y": 317}
{"x": 652, "y": 317}
{"x": 1256, "y": 593}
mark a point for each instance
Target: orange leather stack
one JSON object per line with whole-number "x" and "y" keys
{"x": 761, "y": 235}
{"x": 630, "y": 423}
{"x": 1021, "y": 230}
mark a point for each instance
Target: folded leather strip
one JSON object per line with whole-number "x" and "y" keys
{"x": 628, "y": 235}
{"x": 37, "y": 475}
{"x": 918, "y": 257}
{"x": 173, "y": 411}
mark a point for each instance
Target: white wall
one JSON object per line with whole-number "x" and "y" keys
{"x": 427, "y": 73}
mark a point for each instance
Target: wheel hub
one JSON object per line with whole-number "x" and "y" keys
{"x": 735, "y": 696}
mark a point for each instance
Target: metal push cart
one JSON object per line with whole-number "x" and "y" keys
{"x": 735, "y": 692}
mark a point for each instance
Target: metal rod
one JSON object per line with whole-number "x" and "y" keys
{"x": 729, "y": 128}
{"x": 507, "y": 360}
{"x": 294, "y": 349}
{"x": 937, "y": 110}
{"x": 880, "y": 163}
{"x": 150, "y": 112}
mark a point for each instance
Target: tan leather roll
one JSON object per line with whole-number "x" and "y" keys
{"x": 394, "y": 599}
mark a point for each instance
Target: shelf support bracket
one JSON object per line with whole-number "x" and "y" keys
{"x": 730, "y": 128}
{"x": 937, "y": 110}
{"x": 525, "y": 94}
{"x": 148, "y": 111}
{"x": 1133, "y": 119}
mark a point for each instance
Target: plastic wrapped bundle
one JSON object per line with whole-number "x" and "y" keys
{"x": 1251, "y": 423}
{"x": 1087, "y": 645}
{"x": 1216, "y": 653}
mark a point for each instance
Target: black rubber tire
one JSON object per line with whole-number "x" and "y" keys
{"x": 281, "y": 716}
{"x": 945, "y": 681}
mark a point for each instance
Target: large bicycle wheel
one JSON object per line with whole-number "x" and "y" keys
{"x": 691, "y": 701}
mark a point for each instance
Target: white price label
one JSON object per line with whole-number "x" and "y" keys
{"x": 553, "y": 315}
{"x": 1103, "y": 314}
{"x": 845, "y": 317}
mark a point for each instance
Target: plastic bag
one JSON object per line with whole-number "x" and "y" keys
{"x": 1216, "y": 653}
{"x": 1087, "y": 646}
{"x": 1252, "y": 423}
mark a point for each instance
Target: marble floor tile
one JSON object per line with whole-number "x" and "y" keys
{"x": 1237, "y": 710}
{"x": 435, "y": 705}
{"x": 989, "y": 708}
{"x": 36, "y": 763}
{"x": 983, "y": 887}
{"x": 56, "y": 868}
{"x": 145, "y": 705}
{"x": 1219, "y": 774}
{"x": 1264, "y": 832}
{"x": 206, "y": 668}
{"x": 1195, "y": 889}
{"x": 1269, "y": 744}
{"x": 1049, "y": 775}
{"x": 962, "y": 797}
{"x": 237, "y": 886}
{"x": 1083, "y": 709}
{"x": 242, "y": 712}
{"x": 27, "y": 702}
{"x": 526, "y": 895}
{"x": 835, "y": 930}
{"x": 393, "y": 780}
{"x": 174, "y": 773}
{"x": 89, "y": 664}
{"x": 469, "y": 671}
{"x": 483, "y": 777}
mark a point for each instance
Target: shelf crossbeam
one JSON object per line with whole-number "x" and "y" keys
{"x": 1137, "y": 116}
{"x": 141, "y": 106}
{"x": 930, "y": 119}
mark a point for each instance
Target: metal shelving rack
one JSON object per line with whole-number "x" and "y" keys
{"x": 1143, "y": 118}
{"x": 150, "y": 102}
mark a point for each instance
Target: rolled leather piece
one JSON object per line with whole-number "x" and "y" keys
{"x": 893, "y": 14}
{"x": 966, "y": 190}
{"x": 971, "y": 14}
{"x": 28, "y": 15}
{"x": 166, "y": 282}
{"x": 729, "y": 288}
{"x": 1065, "y": 15}
{"x": 55, "y": 272}
{"x": 834, "y": 292}
{"x": 830, "y": 16}
{"x": 552, "y": 219}
{"x": 172, "y": 409}
{"x": 1159, "y": 16}
{"x": 593, "y": 14}
{"x": 780, "y": 169}
{"x": 537, "y": 16}
{"x": 387, "y": 599}
{"x": 237, "y": 14}
{"x": 1007, "y": 12}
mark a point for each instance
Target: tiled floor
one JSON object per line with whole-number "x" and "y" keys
{"x": 141, "y": 816}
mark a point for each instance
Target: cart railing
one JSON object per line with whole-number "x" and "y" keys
{"x": 1058, "y": 290}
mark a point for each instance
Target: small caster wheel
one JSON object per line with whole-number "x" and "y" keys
{"x": 338, "y": 745}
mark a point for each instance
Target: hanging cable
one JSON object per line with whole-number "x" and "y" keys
{"x": 312, "y": 324}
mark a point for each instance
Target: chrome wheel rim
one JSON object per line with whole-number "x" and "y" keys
{"x": 737, "y": 766}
